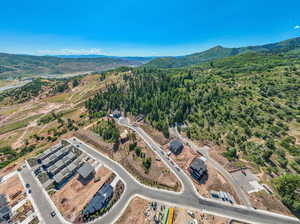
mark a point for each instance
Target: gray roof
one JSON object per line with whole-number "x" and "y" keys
{"x": 106, "y": 190}
{"x": 71, "y": 167}
{"x": 69, "y": 156}
{"x": 99, "y": 200}
{"x": 50, "y": 151}
{"x": 3, "y": 200}
{"x": 198, "y": 165}
{"x": 116, "y": 112}
{"x": 85, "y": 170}
{"x": 58, "y": 177}
{"x": 176, "y": 146}
{"x": 55, "y": 156}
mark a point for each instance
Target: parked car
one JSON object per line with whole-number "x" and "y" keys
{"x": 53, "y": 214}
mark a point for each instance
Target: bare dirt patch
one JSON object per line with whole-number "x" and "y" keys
{"x": 20, "y": 140}
{"x": 13, "y": 190}
{"x": 265, "y": 201}
{"x": 216, "y": 154}
{"x": 183, "y": 217}
{"x": 134, "y": 213}
{"x": 72, "y": 198}
{"x": 295, "y": 131}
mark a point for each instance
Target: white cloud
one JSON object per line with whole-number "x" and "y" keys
{"x": 297, "y": 27}
{"x": 70, "y": 52}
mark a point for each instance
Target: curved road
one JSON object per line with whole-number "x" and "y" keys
{"x": 236, "y": 186}
{"x": 187, "y": 198}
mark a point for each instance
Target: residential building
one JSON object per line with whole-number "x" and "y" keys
{"x": 124, "y": 136}
{"x": 116, "y": 114}
{"x": 5, "y": 211}
{"x": 67, "y": 172}
{"x": 86, "y": 171}
{"x": 198, "y": 168}
{"x": 176, "y": 146}
{"x": 100, "y": 200}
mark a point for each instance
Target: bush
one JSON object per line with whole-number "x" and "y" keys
{"x": 107, "y": 130}
{"x": 286, "y": 186}
{"x": 231, "y": 154}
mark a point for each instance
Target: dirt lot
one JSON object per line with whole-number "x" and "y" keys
{"x": 158, "y": 171}
{"x": 159, "y": 175}
{"x": 13, "y": 190}
{"x": 134, "y": 214}
{"x": 215, "y": 181}
{"x": 72, "y": 198}
{"x": 265, "y": 201}
{"x": 183, "y": 217}
{"x": 8, "y": 169}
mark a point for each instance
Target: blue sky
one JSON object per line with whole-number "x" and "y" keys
{"x": 143, "y": 28}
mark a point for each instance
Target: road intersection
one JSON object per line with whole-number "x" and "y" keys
{"x": 187, "y": 198}
{"x": 203, "y": 150}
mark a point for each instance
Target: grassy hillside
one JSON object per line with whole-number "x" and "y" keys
{"x": 37, "y": 88}
{"x": 12, "y": 66}
{"x": 291, "y": 45}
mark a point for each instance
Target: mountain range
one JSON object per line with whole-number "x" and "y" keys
{"x": 291, "y": 46}
{"x": 16, "y": 66}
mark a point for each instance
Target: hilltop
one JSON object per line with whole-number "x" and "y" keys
{"x": 292, "y": 46}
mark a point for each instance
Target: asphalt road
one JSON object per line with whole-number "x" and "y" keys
{"x": 188, "y": 198}
{"x": 237, "y": 187}
{"x": 41, "y": 201}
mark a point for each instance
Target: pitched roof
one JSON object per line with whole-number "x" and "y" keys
{"x": 85, "y": 170}
{"x": 176, "y": 146}
{"x": 106, "y": 190}
{"x": 99, "y": 200}
{"x": 198, "y": 165}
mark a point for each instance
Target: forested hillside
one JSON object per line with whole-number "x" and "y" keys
{"x": 249, "y": 103}
{"x": 16, "y": 66}
{"x": 292, "y": 46}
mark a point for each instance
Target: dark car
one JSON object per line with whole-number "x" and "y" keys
{"x": 29, "y": 191}
{"x": 27, "y": 185}
{"x": 53, "y": 214}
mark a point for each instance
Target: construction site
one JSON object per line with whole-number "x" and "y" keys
{"x": 15, "y": 202}
{"x": 81, "y": 187}
{"x": 141, "y": 211}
